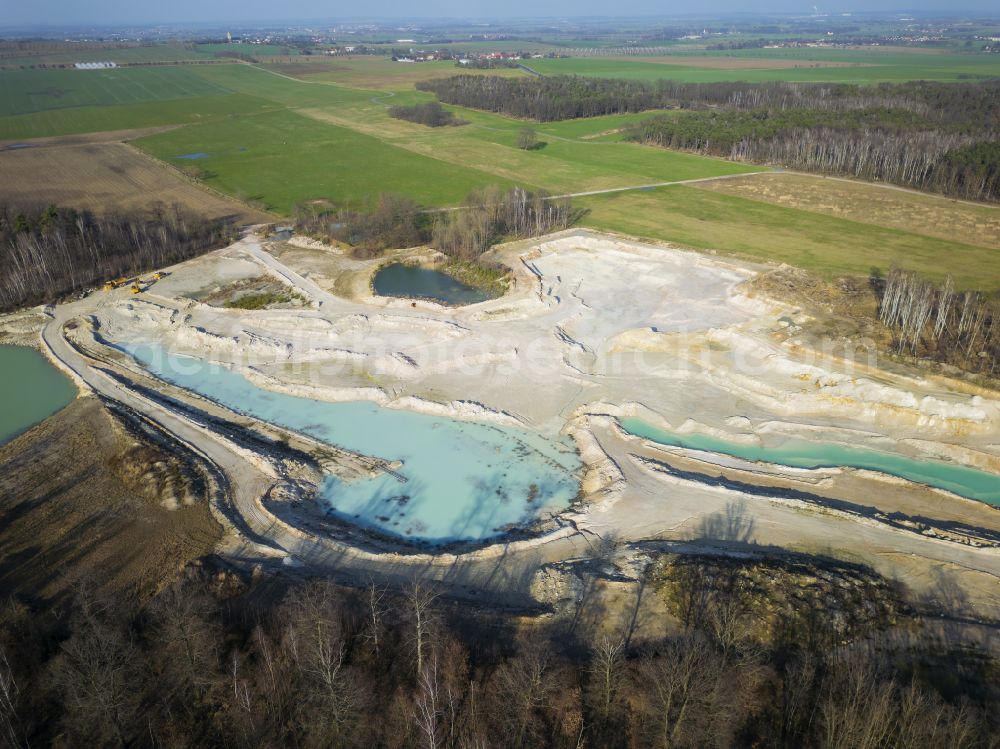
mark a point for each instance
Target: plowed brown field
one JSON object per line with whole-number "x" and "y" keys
{"x": 104, "y": 176}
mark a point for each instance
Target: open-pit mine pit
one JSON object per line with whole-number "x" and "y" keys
{"x": 617, "y": 395}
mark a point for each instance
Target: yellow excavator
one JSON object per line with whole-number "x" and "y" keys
{"x": 138, "y": 284}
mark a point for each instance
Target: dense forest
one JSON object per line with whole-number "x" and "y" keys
{"x": 943, "y": 137}
{"x": 487, "y": 216}
{"x": 970, "y": 106}
{"x": 873, "y": 145}
{"x": 48, "y": 253}
{"x": 211, "y": 663}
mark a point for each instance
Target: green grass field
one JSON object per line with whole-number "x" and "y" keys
{"x": 279, "y": 141}
{"x": 257, "y": 81}
{"x": 565, "y": 163}
{"x": 372, "y": 72}
{"x": 826, "y": 244}
{"x": 281, "y": 158}
{"x": 29, "y": 91}
{"x": 42, "y": 103}
{"x": 144, "y": 53}
{"x": 283, "y": 165}
{"x": 95, "y": 119}
{"x": 867, "y": 67}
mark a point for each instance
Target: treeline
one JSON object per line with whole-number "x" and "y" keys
{"x": 390, "y": 221}
{"x": 545, "y": 98}
{"x": 942, "y": 137}
{"x": 492, "y": 215}
{"x": 322, "y": 666}
{"x": 874, "y": 145}
{"x": 46, "y": 254}
{"x": 970, "y": 107}
{"x": 429, "y": 113}
{"x": 489, "y": 63}
{"x": 486, "y": 217}
{"x": 934, "y": 320}
{"x": 235, "y": 55}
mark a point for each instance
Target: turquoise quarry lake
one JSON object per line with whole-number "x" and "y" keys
{"x": 464, "y": 480}
{"x": 31, "y": 389}
{"x": 966, "y": 482}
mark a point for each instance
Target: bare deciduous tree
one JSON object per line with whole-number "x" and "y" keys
{"x": 421, "y": 597}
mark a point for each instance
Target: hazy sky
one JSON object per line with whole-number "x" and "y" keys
{"x": 102, "y": 12}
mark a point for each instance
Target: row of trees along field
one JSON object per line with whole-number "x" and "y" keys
{"x": 942, "y": 137}
{"x": 322, "y": 666}
{"x": 934, "y": 320}
{"x": 49, "y": 253}
{"x": 487, "y": 216}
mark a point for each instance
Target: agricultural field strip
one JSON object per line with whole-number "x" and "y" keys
{"x": 867, "y": 70}
{"x": 32, "y": 91}
{"x": 565, "y": 168}
{"x": 283, "y": 158}
{"x": 706, "y": 219}
{"x": 377, "y": 73}
{"x": 654, "y": 185}
{"x": 96, "y": 119}
{"x": 108, "y": 176}
{"x": 981, "y": 220}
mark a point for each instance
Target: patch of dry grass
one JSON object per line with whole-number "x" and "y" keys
{"x": 929, "y": 215}
{"x": 89, "y": 173}
{"x": 829, "y": 245}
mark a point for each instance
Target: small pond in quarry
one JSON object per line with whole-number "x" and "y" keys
{"x": 32, "y": 390}
{"x": 465, "y": 480}
{"x": 399, "y": 279}
{"x": 966, "y": 482}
